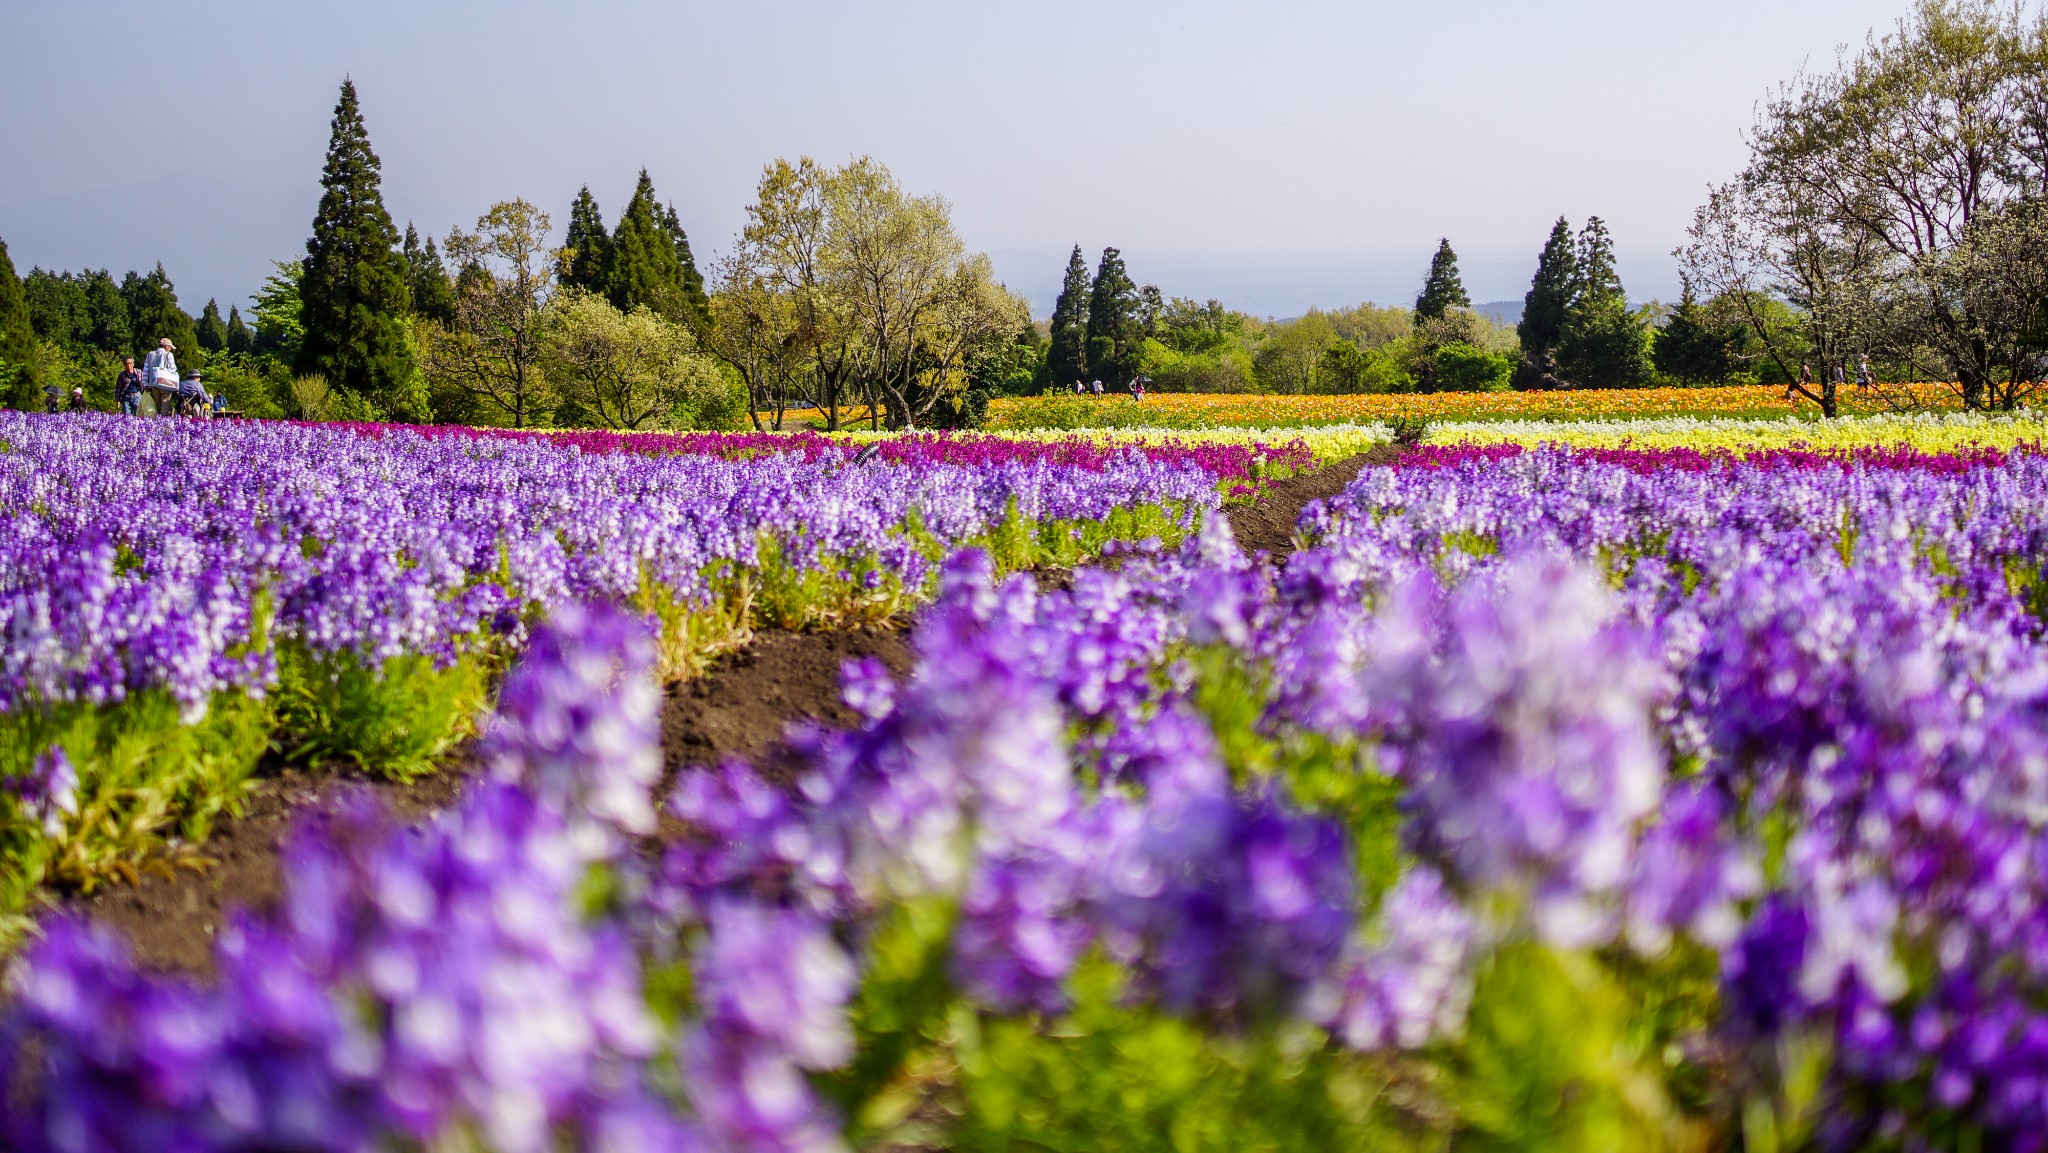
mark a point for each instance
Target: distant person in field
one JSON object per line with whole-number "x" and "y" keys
{"x": 1863, "y": 372}
{"x": 1805, "y": 380}
{"x": 52, "y": 399}
{"x": 1137, "y": 388}
{"x": 1098, "y": 389}
{"x": 128, "y": 388}
{"x": 1839, "y": 378}
{"x": 78, "y": 400}
{"x": 192, "y": 398}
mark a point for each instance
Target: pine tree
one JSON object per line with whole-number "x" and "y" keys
{"x": 644, "y": 270}
{"x": 1549, "y": 300}
{"x": 1690, "y": 347}
{"x": 211, "y": 331}
{"x": 19, "y": 386}
{"x": 697, "y": 305}
{"x": 585, "y": 248}
{"x": 353, "y": 297}
{"x": 153, "y": 315}
{"x": 1603, "y": 345}
{"x": 241, "y": 341}
{"x": 1112, "y": 323}
{"x": 1066, "y": 358}
{"x": 1441, "y": 290}
{"x": 427, "y": 284}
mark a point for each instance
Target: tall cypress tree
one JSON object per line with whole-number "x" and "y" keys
{"x": 153, "y": 315}
{"x": 1441, "y": 289}
{"x": 697, "y": 306}
{"x": 211, "y": 331}
{"x": 644, "y": 269}
{"x": 1550, "y": 294}
{"x": 18, "y": 375}
{"x": 1597, "y": 283}
{"x": 1112, "y": 322}
{"x": 1066, "y": 358}
{"x": 353, "y": 297}
{"x": 585, "y": 248}
{"x": 241, "y": 341}
{"x": 427, "y": 285}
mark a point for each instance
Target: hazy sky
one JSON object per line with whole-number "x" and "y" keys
{"x": 1278, "y": 154}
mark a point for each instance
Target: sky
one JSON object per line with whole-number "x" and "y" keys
{"x": 1276, "y": 155}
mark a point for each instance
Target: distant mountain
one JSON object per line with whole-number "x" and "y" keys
{"x": 1501, "y": 311}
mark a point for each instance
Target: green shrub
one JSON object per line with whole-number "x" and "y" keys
{"x": 392, "y": 719}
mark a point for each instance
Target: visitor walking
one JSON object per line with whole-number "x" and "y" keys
{"x": 128, "y": 388}
{"x": 1804, "y": 383}
{"x": 1137, "y": 388}
{"x": 78, "y": 400}
{"x": 160, "y": 376}
{"x": 1080, "y": 387}
{"x": 1098, "y": 389}
{"x": 53, "y": 399}
{"x": 1839, "y": 378}
{"x": 1863, "y": 371}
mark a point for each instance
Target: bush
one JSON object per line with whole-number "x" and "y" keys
{"x": 1461, "y": 367}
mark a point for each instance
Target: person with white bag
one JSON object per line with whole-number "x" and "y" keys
{"x": 160, "y": 372}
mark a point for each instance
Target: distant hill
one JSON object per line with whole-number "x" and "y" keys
{"x": 1501, "y": 311}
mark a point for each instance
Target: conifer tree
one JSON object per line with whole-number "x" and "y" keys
{"x": 1690, "y": 347}
{"x": 241, "y": 341}
{"x": 353, "y": 295}
{"x": 1441, "y": 290}
{"x": 427, "y": 285}
{"x": 211, "y": 331}
{"x": 585, "y": 247}
{"x": 106, "y": 313}
{"x": 1597, "y": 282}
{"x": 153, "y": 314}
{"x": 18, "y": 378}
{"x": 643, "y": 269}
{"x": 697, "y": 305}
{"x": 1549, "y": 300}
{"x": 1066, "y": 358}
{"x": 1112, "y": 322}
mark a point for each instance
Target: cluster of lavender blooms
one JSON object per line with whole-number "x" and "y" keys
{"x": 141, "y": 556}
{"x": 1796, "y": 720}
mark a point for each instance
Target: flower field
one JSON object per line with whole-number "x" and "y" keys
{"x": 1637, "y": 795}
{"x": 1271, "y": 411}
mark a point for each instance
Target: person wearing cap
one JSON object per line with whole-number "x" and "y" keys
{"x": 128, "y": 388}
{"x": 192, "y": 396}
{"x": 78, "y": 400}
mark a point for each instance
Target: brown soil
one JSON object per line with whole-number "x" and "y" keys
{"x": 742, "y": 707}
{"x": 1267, "y": 525}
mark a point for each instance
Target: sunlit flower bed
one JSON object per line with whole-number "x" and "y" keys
{"x": 176, "y": 597}
{"x": 1932, "y": 432}
{"x": 1266, "y": 410}
{"x": 1551, "y": 801}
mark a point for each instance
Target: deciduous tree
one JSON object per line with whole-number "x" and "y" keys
{"x": 632, "y": 371}
{"x": 493, "y": 353}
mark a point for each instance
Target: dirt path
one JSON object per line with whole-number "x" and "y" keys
{"x": 740, "y": 708}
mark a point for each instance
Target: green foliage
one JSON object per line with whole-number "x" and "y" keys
{"x": 153, "y": 315}
{"x": 211, "y": 331}
{"x": 390, "y": 718}
{"x": 241, "y": 341}
{"x": 586, "y": 248}
{"x": 1408, "y": 431}
{"x": 1347, "y": 368}
{"x": 428, "y": 288}
{"x": 1691, "y": 348}
{"x": 1442, "y": 290}
{"x": 1223, "y": 369}
{"x": 1066, "y": 360}
{"x": 1606, "y": 346}
{"x": 1550, "y": 1061}
{"x": 1596, "y": 284}
{"x": 144, "y": 774}
{"x": 279, "y": 332}
{"x": 18, "y": 384}
{"x": 1551, "y": 293}
{"x": 1193, "y": 329}
{"x": 646, "y": 266}
{"x": 1459, "y": 367}
{"x": 1113, "y": 328}
{"x": 352, "y": 294}
{"x": 56, "y": 306}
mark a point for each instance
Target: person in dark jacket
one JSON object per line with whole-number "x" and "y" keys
{"x": 128, "y": 388}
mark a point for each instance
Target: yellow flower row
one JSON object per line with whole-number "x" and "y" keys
{"x": 1266, "y": 410}
{"x": 1925, "y": 432}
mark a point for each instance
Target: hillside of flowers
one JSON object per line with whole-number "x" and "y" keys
{"x": 177, "y": 599}
{"x": 1548, "y": 799}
